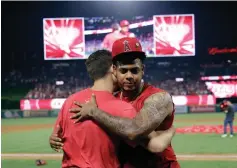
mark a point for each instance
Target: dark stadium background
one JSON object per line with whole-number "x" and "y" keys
{"x": 26, "y": 127}
{"x": 22, "y": 40}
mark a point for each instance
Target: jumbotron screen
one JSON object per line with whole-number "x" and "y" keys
{"x": 77, "y": 38}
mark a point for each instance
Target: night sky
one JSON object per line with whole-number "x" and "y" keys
{"x": 22, "y": 25}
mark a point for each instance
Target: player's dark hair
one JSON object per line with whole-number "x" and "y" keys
{"x": 115, "y": 26}
{"x": 98, "y": 64}
{"x": 129, "y": 58}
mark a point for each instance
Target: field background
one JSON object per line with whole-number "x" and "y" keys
{"x": 25, "y": 140}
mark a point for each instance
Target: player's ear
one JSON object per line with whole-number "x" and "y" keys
{"x": 114, "y": 70}
{"x": 143, "y": 69}
{"x": 111, "y": 69}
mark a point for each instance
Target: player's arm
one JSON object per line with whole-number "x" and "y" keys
{"x": 156, "y": 141}
{"x": 155, "y": 109}
{"x": 55, "y": 139}
{"x": 226, "y": 110}
{"x": 159, "y": 141}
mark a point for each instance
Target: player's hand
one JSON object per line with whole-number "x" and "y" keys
{"x": 84, "y": 111}
{"x": 55, "y": 141}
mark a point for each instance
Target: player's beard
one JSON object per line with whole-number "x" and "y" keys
{"x": 133, "y": 93}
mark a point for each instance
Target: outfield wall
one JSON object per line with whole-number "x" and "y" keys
{"x": 17, "y": 113}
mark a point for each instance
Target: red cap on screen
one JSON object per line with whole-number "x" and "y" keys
{"x": 126, "y": 45}
{"x": 124, "y": 23}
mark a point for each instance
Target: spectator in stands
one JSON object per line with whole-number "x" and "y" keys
{"x": 41, "y": 81}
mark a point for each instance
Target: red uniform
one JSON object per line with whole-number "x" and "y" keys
{"x": 128, "y": 34}
{"x": 141, "y": 158}
{"x": 110, "y": 39}
{"x": 86, "y": 145}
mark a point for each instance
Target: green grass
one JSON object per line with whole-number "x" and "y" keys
{"x": 208, "y": 164}
{"x": 26, "y": 142}
{"x": 28, "y": 121}
{"x": 9, "y": 163}
{"x": 205, "y": 116}
{"x": 203, "y": 143}
{"x": 56, "y": 164}
{"x": 36, "y": 141}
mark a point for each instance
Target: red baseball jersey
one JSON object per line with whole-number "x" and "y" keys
{"x": 128, "y": 34}
{"x": 163, "y": 159}
{"x": 110, "y": 39}
{"x": 86, "y": 145}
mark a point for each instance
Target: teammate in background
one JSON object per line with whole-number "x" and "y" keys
{"x": 112, "y": 37}
{"x": 229, "y": 110}
{"x": 124, "y": 24}
{"x": 85, "y": 144}
{"x": 155, "y": 106}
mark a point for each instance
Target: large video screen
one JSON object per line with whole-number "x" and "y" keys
{"x": 77, "y": 38}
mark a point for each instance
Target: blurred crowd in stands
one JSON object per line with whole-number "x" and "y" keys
{"x": 61, "y": 79}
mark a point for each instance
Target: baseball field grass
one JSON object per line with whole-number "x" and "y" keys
{"x": 25, "y": 140}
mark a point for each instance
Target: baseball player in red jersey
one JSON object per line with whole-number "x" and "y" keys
{"x": 155, "y": 106}
{"x": 112, "y": 37}
{"x": 124, "y": 24}
{"x": 85, "y": 144}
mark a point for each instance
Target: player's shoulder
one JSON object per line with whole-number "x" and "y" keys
{"x": 77, "y": 95}
{"x": 151, "y": 89}
{"x": 154, "y": 87}
{"x": 108, "y": 35}
{"x": 120, "y": 108}
{"x": 155, "y": 92}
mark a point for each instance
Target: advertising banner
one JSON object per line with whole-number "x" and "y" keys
{"x": 194, "y": 100}
{"x": 202, "y": 109}
{"x": 223, "y": 89}
{"x": 11, "y": 114}
{"x": 181, "y": 109}
{"x": 50, "y": 104}
{"x": 213, "y": 78}
{"x": 40, "y": 113}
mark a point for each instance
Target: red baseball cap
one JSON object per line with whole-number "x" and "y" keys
{"x": 124, "y": 23}
{"x": 127, "y": 46}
